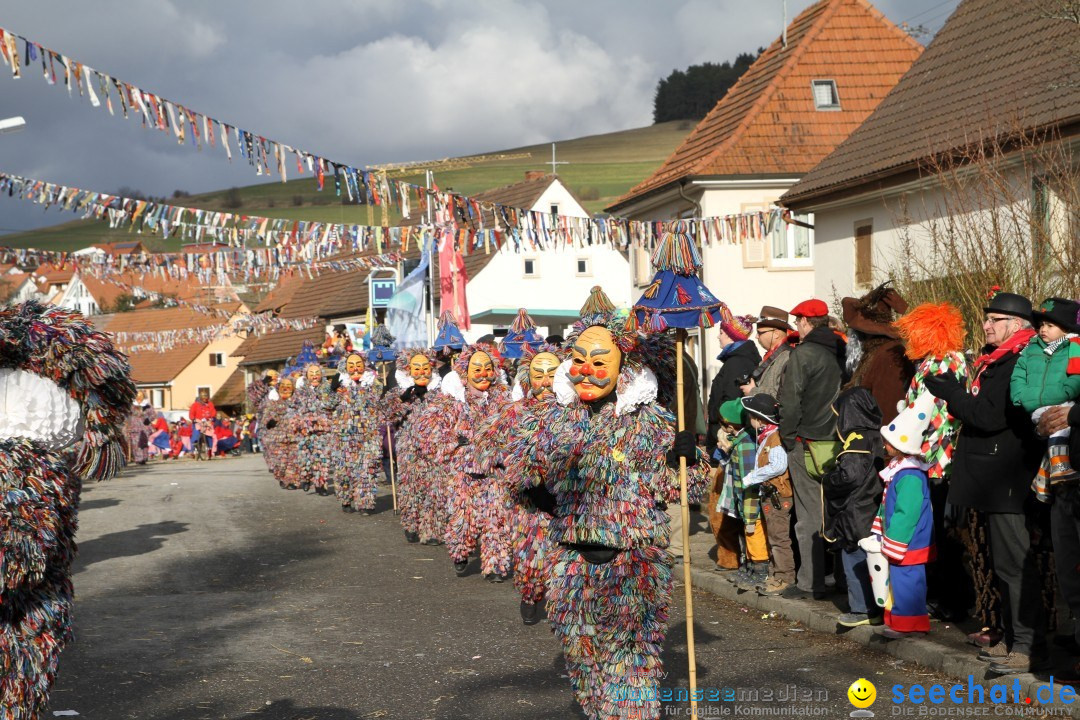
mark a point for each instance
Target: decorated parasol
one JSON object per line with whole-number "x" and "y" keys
{"x": 522, "y": 333}
{"x": 380, "y": 351}
{"x": 678, "y": 299}
{"x": 449, "y": 336}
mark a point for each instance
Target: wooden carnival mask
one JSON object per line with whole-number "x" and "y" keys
{"x": 274, "y": 376}
{"x": 595, "y": 362}
{"x": 285, "y": 389}
{"x": 354, "y": 367}
{"x": 420, "y": 370}
{"x": 542, "y": 374}
{"x": 481, "y": 371}
{"x": 313, "y": 375}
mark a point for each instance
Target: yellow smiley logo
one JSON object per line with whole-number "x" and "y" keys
{"x": 862, "y": 693}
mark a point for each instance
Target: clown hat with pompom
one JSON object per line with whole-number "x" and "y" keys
{"x": 905, "y": 432}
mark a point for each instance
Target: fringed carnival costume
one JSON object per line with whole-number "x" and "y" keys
{"x": 310, "y": 419}
{"x": 419, "y": 477}
{"x": 603, "y": 451}
{"x": 477, "y": 504}
{"x": 356, "y": 450}
{"x": 65, "y": 394}
{"x": 531, "y": 506}
{"x": 278, "y": 436}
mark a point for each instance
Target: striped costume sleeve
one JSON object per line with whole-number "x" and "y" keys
{"x": 907, "y": 489}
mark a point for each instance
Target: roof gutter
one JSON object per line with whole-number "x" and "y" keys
{"x": 692, "y": 201}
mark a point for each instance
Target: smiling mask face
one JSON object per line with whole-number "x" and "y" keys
{"x": 420, "y": 370}
{"x": 354, "y": 367}
{"x": 481, "y": 371}
{"x": 595, "y": 363}
{"x": 542, "y": 374}
{"x": 313, "y": 375}
{"x": 285, "y": 389}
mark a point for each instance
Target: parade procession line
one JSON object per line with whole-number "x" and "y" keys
{"x": 944, "y": 650}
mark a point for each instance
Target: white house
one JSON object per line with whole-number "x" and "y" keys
{"x": 552, "y": 284}
{"x": 992, "y": 76}
{"x": 791, "y": 108}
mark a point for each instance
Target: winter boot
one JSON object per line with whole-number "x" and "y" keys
{"x": 1061, "y": 470}
{"x": 530, "y": 613}
{"x": 412, "y": 537}
{"x": 460, "y": 567}
{"x": 759, "y": 573}
{"x": 739, "y": 575}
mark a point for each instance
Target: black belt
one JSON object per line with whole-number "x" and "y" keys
{"x": 594, "y": 554}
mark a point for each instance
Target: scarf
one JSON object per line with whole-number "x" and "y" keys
{"x": 1052, "y": 348}
{"x": 1015, "y": 344}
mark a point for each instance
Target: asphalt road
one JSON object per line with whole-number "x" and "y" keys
{"x": 205, "y": 591}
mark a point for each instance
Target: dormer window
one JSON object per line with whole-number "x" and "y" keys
{"x": 825, "y": 96}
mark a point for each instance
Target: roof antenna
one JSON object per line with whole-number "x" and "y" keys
{"x": 783, "y": 35}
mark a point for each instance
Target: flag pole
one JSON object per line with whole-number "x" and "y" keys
{"x": 680, "y": 337}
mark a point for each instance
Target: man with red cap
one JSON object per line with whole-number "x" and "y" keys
{"x": 808, "y": 432}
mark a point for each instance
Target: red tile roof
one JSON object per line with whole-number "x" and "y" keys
{"x": 995, "y": 66}
{"x": 767, "y": 123}
{"x": 278, "y": 346}
{"x": 232, "y": 392}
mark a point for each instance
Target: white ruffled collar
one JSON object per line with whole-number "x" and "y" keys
{"x": 405, "y": 380}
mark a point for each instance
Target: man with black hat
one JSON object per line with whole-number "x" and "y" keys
{"x": 996, "y": 457}
{"x": 772, "y": 334}
{"x": 808, "y": 433}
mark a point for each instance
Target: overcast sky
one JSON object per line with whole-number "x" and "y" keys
{"x": 359, "y": 81}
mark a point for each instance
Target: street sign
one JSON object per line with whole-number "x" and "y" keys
{"x": 382, "y": 290}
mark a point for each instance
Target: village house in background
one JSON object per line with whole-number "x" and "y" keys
{"x": 551, "y": 283}
{"x": 171, "y": 379}
{"x": 800, "y": 99}
{"x": 972, "y": 155}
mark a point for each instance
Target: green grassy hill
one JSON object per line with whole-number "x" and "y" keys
{"x": 601, "y": 168}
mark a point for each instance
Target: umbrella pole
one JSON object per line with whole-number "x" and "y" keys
{"x": 393, "y": 470}
{"x": 680, "y": 336}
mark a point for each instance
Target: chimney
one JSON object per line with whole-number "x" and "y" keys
{"x": 534, "y": 174}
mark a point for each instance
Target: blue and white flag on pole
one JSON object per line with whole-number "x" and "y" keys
{"x": 405, "y": 316}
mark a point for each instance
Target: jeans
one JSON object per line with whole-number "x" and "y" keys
{"x": 859, "y": 593}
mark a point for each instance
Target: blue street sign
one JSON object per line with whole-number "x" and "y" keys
{"x": 382, "y": 291}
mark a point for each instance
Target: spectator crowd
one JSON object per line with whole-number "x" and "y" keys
{"x": 882, "y": 460}
{"x": 152, "y": 437}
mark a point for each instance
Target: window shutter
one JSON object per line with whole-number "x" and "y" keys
{"x": 864, "y": 254}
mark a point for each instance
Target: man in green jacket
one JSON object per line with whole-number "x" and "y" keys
{"x": 812, "y": 381}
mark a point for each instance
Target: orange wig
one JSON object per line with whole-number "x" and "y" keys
{"x": 931, "y": 330}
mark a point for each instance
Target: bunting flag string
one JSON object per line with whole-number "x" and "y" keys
{"x": 165, "y": 340}
{"x": 525, "y": 229}
{"x": 257, "y": 246}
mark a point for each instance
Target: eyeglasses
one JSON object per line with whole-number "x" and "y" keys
{"x": 994, "y": 320}
{"x": 762, "y": 331}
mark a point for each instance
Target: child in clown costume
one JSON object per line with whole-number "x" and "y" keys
{"x": 607, "y": 452}
{"x": 354, "y": 439}
{"x": 415, "y": 381}
{"x": 933, "y": 337}
{"x": 904, "y": 525}
{"x": 531, "y": 506}
{"x": 65, "y": 392}
{"x": 476, "y": 505}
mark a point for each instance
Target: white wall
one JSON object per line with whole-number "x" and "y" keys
{"x": 77, "y": 297}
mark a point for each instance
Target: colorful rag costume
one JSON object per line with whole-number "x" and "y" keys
{"x": 602, "y": 452}
{"x": 530, "y": 505}
{"x": 419, "y": 477}
{"x": 279, "y": 438}
{"x": 355, "y": 447}
{"x": 477, "y": 504}
{"x": 65, "y": 392}
{"x": 309, "y": 417}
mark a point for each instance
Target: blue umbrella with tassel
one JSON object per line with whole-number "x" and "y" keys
{"x": 522, "y": 333}
{"x": 677, "y": 298}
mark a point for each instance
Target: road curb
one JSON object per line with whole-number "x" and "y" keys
{"x": 922, "y": 651}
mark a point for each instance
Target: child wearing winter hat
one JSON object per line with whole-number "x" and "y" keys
{"x": 770, "y": 482}
{"x": 1043, "y": 378}
{"x": 852, "y": 496}
{"x": 904, "y": 526}
{"x": 737, "y": 453}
